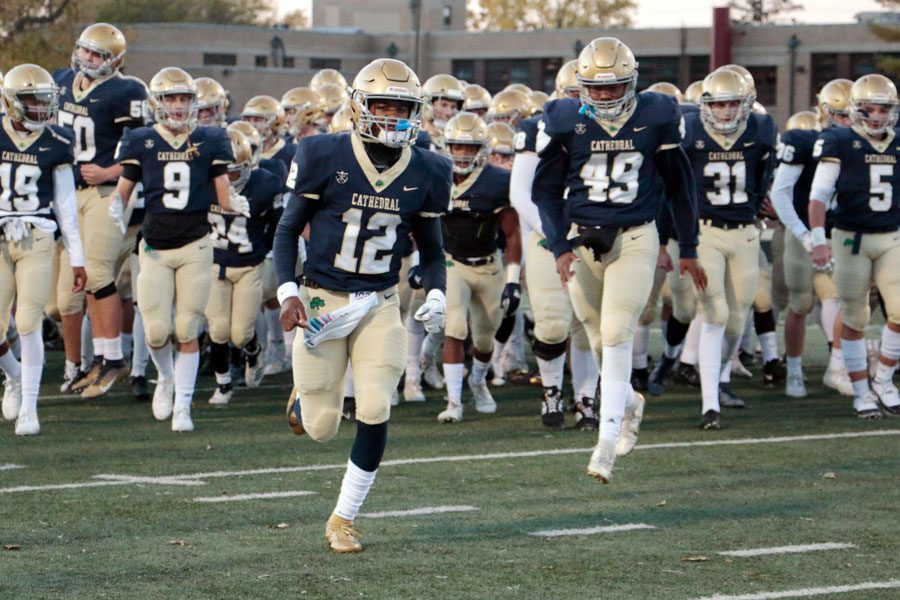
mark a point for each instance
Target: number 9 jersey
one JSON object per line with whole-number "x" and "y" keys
{"x": 363, "y": 218}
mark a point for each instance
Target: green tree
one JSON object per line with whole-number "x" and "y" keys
{"x": 232, "y": 12}
{"x": 525, "y": 15}
{"x": 890, "y": 33}
{"x": 763, "y": 12}
{"x": 38, "y": 31}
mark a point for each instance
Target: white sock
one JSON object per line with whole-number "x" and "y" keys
{"x": 552, "y": 371}
{"x": 87, "y": 346}
{"x": 836, "y": 360}
{"x": 70, "y": 372}
{"x": 165, "y": 363}
{"x": 856, "y": 360}
{"x": 890, "y": 349}
{"x": 585, "y": 372}
{"x": 349, "y": 389}
{"x": 223, "y": 378}
{"x": 354, "y": 489}
{"x": 32, "y": 367}
{"x": 141, "y": 353}
{"x": 432, "y": 346}
{"x": 710, "y": 362}
{"x": 615, "y": 389}
{"x": 831, "y": 308}
{"x": 729, "y": 352}
{"x": 186, "y": 364}
{"x": 113, "y": 348}
{"x": 479, "y": 371}
{"x": 769, "y": 346}
{"x": 795, "y": 366}
{"x": 99, "y": 345}
{"x": 10, "y": 366}
{"x": 415, "y": 335}
{"x": 747, "y": 343}
{"x": 127, "y": 344}
{"x": 453, "y": 378}
{"x": 288, "y": 337}
{"x": 497, "y": 360}
{"x": 641, "y": 344}
{"x": 691, "y": 345}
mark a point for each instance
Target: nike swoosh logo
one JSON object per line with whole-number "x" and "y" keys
{"x": 92, "y": 100}
{"x": 42, "y": 149}
{"x": 748, "y": 144}
{"x": 386, "y": 296}
{"x": 636, "y": 129}
{"x": 409, "y": 189}
{"x": 751, "y": 239}
{"x": 634, "y": 237}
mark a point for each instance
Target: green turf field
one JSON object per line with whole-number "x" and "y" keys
{"x": 115, "y": 535}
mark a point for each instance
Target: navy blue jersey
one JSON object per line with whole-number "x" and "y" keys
{"x": 610, "y": 179}
{"x": 423, "y": 140}
{"x": 276, "y": 167}
{"x": 283, "y": 151}
{"x": 796, "y": 148}
{"x": 731, "y": 179}
{"x": 98, "y": 116}
{"x": 526, "y": 134}
{"x": 361, "y": 226}
{"x": 26, "y": 170}
{"x": 242, "y": 242}
{"x": 868, "y": 188}
{"x": 688, "y": 108}
{"x": 473, "y": 221}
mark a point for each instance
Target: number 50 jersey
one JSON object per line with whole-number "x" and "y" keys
{"x": 363, "y": 217}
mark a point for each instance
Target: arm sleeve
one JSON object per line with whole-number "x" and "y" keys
{"x": 681, "y": 192}
{"x": 520, "y": 183}
{"x": 295, "y": 217}
{"x": 824, "y": 182}
{"x": 665, "y": 224}
{"x": 786, "y": 176}
{"x": 66, "y": 213}
{"x": 128, "y": 150}
{"x": 429, "y": 241}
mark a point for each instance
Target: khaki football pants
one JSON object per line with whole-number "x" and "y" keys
{"x": 608, "y": 296}
{"x": 26, "y": 278}
{"x": 51, "y": 309}
{"x": 124, "y": 278}
{"x": 180, "y": 277}
{"x": 879, "y": 261}
{"x": 802, "y": 279}
{"x": 473, "y": 293}
{"x": 233, "y": 304}
{"x": 377, "y": 353}
{"x": 684, "y": 296}
{"x": 780, "y": 293}
{"x": 762, "y": 301}
{"x": 649, "y": 314}
{"x": 552, "y": 308}
{"x": 268, "y": 280}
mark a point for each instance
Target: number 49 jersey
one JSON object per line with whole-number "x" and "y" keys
{"x": 242, "y": 242}
{"x": 363, "y": 217}
{"x": 611, "y": 178}
{"x": 868, "y": 188}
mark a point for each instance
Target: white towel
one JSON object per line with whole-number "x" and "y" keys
{"x": 341, "y": 322}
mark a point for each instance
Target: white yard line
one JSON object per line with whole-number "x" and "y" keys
{"x": 177, "y": 479}
{"x": 123, "y": 392}
{"x": 242, "y": 497}
{"x": 591, "y": 530}
{"x": 808, "y": 592}
{"x": 787, "y": 549}
{"x": 416, "y": 512}
{"x": 11, "y": 467}
{"x": 150, "y": 480}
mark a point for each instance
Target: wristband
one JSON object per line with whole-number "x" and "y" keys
{"x": 513, "y": 272}
{"x": 818, "y": 236}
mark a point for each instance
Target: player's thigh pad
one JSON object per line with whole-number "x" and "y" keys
{"x": 484, "y": 312}
{"x": 852, "y": 276}
{"x": 886, "y": 247}
{"x": 713, "y": 252}
{"x": 193, "y": 277}
{"x": 550, "y": 303}
{"x": 246, "y": 298}
{"x": 762, "y": 300}
{"x": 798, "y": 274}
{"x": 156, "y": 295}
{"x": 124, "y": 278}
{"x": 67, "y": 301}
{"x": 459, "y": 297}
{"x": 218, "y": 308}
{"x": 684, "y": 296}
{"x": 742, "y": 278}
{"x": 33, "y": 263}
{"x": 102, "y": 239}
{"x": 780, "y": 294}
{"x": 51, "y": 309}
{"x": 649, "y": 314}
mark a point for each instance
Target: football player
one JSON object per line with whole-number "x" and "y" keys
{"x": 97, "y": 104}
{"x": 550, "y": 303}
{"x": 37, "y": 197}
{"x": 303, "y": 108}
{"x": 334, "y": 97}
{"x": 361, "y": 194}
{"x": 790, "y": 196}
{"x": 613, "y": 150}
{"x": 240, "y": 246}
{"x": 478, "y": 99}
{"x": 327, "y": 77}
{"x": 184, "y": 169}
{"x": 479, "y": 210}
{"x": 501, "y": 145}
{"x": 509, "y": 106}
{"x": 212, "y": 102}
{"x": 859, "y": 163}
{"x": 445, "y": 97}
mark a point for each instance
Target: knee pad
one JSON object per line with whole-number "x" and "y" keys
{"x": 483, "y": 343}
{"x": 801, "y": 303}
{"x": 105, "y": 292}
{"x": 547, "y": 351}
{"x": 187, "y": 327}
{"x": 321, "y": 424}
{"x": 157, "y": 334}
{"x": 552, "y": 329}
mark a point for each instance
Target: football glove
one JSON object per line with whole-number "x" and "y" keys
{"x": 431, "y": 314}
{"x": 806, "y": 241}
{"x": 239, "y": 203}
{"x": 15, "y": 230}
{"x": 415, "y": 277}
{"x": 116, "y": 211}
{"x": 510, "y": 299}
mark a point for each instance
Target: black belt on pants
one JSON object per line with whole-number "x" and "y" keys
{"x": 723, "y": 224}
{"x": 474, "y": 262}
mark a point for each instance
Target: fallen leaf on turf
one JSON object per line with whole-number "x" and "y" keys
{"x": 830, "y": 475}
{"x": 694, "y": 559}
{"x": 178, "y": 543}
{"x": 12, "y": 547}
{"x": 209, "y": 446}
{"x": 661, "y": 503}
{"x": 282, "y": 526}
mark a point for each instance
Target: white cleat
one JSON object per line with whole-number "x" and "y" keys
{"x": 888, "y": 397}
{"x": 794, "y": 387}
{"x": 253, "y": 376}
{"x": 453, "y": 414}
{"x": 181, "y": 419}
{"x": 602, "y": 460}
{"x": 432, "y": 375}
{"x": 12, "y": 398}
{"x": 276, "y": 367}
{"x": 738, "y": 368}
{"x": 27, "y": 424}
{"x": 412, "y": 392}
{"x": 631, "y": 424}
{"x": 221, "y": 396}
{"x": 484, "y": 402}
{"x": 498, "y": 381}
{"x": 867, "y": 406}
{"x": 839, "y": 380}
{"x": 395, "y": 398}
{"x": 163, "y": 399}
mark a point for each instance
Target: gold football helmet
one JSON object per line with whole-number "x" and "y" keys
{"x": 478, "y": 99}
{"x": 833, "y": 103}
{"x": 342, "y": 120}
{"x": 537, "y": 100}
{"x": 607, "y": 63}
{"x": 387, "y": 80}
{"x": 302, "y": 107}
{"x": 567, "y": 81}
{"x": 333, "y": 98}
{"x": 172, "y": 82}
{"x": 326, "y": 77}
{"x": 212, "y": 102}
{"x": 30, "y": 96}
{"x": 521, "y": 87}
{"x": 720, "y": 87}
{"x": 509, "y": 106}
{"x": 805, "y": 119}
{"x": 253, "y": 139}
{"x": 102, "y": 39}
{"x": 501, "y": 138}
{"x": 693, "y": 92}
{"x": 267, "y": 115}
{"x": 239, "y": 169}
{"x": 745, "y": 73}
{"x": 668, "y": 89}
{"x": 868, "y": 93}
{"x": 444, "y": 87}
{"x": 466, "y": 129}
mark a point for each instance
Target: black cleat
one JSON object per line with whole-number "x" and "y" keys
{"x": 687, "y": 375}
{"x": 711, "y": 420}
{"x": 747, "y": 359}
{"x": 349, "y": 410}
{"x": 585, "y": 417}
{"x": 656, "y": 385}
{"x": 640, "y": 379}
{"x": 140, "y": 388}
{"x": 552, "y": 408}
{"x": 729, "y": 399}
{"x": 774, "y": 373}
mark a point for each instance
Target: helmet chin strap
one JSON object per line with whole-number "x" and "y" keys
{"x": 382, "y": 157}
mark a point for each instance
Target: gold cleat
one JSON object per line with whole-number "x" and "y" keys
{"x": 90, "y": 377}
{"x": 107, "y": 377}
{"x": 341, "y": 536}
{"x": 293, "y": 413}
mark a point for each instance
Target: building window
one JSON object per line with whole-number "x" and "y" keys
{"x": 500, "y": 73}
{"x": 699, "y": 68}
{"x": 228, "y": 60}
{"x": 766, "y": 80}
{"x": 549, "y": 68}
{"x": 464, "y": 69}
{"x": 262, "y": 61}
{"x": 317, "y": 64}
{"x": 825, "y": 67}
{"x": 288, "y": 62}
{"x": 653, "y": 69}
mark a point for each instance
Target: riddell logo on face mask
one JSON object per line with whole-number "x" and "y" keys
{"x": 397, "y": 90}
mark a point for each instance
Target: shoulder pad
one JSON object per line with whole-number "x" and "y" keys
{"x": 654, "y": 108}
{"x": 62, "y": 134}
{"x": 437, "y": 163}
{"x": 688, "y": 108}
{"x": 765, "y": 126}
{"x": 560, "y": 115}
{"x": 61, "y": 74}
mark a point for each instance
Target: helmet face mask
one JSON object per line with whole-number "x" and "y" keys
{"x": 726, "y": 102}
{"x": 466, "y": 142}
{"x": 36, "y": 108}
{"x": 99, "y": 52}
{"x": 444, "y": 109}
{"x": 607, "y": 75}
{"x": 386, "y": 103}
{"x": 609, "y": 101}
{"x": 874, "y": 104}
{"x": 176, "y": 110}
{"x": 267, "y": 115}
{"x": 30, "y": 97}
{"x": 466, "y": 156}
{"x": 212, "y": 102}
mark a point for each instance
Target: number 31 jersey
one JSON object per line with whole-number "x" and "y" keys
{"x": 363, "y": 217}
